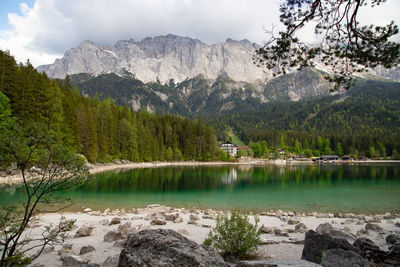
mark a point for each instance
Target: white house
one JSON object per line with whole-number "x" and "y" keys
{"x": 230, "y": 148}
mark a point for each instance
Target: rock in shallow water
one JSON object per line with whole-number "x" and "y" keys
{"x": 164, "y": 247}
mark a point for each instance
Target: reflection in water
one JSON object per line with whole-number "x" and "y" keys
{"x": 322, "y": 187}
{"x": 230, "y": 177}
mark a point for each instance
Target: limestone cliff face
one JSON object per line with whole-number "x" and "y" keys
{"x": 162, "y": 58}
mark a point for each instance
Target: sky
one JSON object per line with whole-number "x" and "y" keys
{"x": 42, "y": 30}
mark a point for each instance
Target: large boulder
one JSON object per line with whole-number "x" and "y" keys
{"x": 343, "y": 258}
{"x": 393, "y": 239}
{"x": 111, "y": 261}
{"x": 369, "y": 250}
{"x": 164, "y": 247}
{"x": 276, "y": 263}
{"x": 393, "y": 256}
{"x": 315, "y": 244}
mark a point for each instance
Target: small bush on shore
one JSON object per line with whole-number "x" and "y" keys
{"x": 235, "y": 236}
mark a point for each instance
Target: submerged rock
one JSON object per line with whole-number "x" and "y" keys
{"x": 164, "y": 247}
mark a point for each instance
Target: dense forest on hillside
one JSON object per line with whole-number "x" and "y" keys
{"x": 100, "y": 130}
{"x": 363, "y": 121}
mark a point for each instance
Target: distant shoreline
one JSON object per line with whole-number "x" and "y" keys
{"x": 99, "y": 168}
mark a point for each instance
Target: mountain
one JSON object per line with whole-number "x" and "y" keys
{"x": 162, "y": 58}
{"x": 200, "y": 95}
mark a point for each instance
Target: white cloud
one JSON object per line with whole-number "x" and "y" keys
{"x": 45, "y": 31}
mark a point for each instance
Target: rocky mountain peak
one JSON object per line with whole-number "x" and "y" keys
{"x": 161, "y": 58}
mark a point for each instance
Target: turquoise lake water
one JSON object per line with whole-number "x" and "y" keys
{"x": 323, "y": 188}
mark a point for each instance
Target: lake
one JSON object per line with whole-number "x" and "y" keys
{"x": 321, "y": 188}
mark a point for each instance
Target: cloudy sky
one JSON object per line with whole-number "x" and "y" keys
{"x": 42, "y": 30}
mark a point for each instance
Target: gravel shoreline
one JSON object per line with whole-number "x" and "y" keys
{"x": 282, "y": 237}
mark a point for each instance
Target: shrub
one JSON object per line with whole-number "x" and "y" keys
{"x": 235, "y": 236}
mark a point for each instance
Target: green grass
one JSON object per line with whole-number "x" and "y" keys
{"x": 236, "y": 139}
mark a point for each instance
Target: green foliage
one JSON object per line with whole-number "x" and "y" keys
{"x": 46, "y": 167}
{"x": 345, "y": 46}
{"x": 235, "y": 236}
{"x": 99, "y": 129}
{"x": 365, "y": 115}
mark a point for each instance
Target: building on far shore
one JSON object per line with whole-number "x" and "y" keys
{"x": 229, "y": 148}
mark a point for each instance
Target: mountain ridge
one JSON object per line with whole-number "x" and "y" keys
{"x": 162, "y": 58}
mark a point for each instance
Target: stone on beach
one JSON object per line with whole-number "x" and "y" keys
{"x": 111, "y": 261}
{"x": 267, "y": 230}
{"x": 115, "y": 220}
{"x": 86, "y": 249}
{"x": 113, "y": 236}
{"x": 194, "y": 217}
{"x": 178, "y": 220}
{"x": 73, "y": 261}
{"x": 343, "y": 258}
{"x": 373, "y": 226}
{"x": 158, "y": 222}
{"x": 171, "y": 216}
{"x": 164, "y": 247}
{"x": 315, "y": 244}
{"x": 300, "y": 228}
{"x": 84, "y": 231}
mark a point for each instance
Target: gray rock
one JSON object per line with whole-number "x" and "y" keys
{"x": 343, "y": 258}
{"x": 341, "y": 234}
{"x": 75, "y": 261}
{"x": 300, "y": 228}
{"x": 324, "y": 228}
{"x": 193, "y": 217}
{"x": 125, "y": 228}
{"x": 276, "y": 262}
{"x": 392, "y": 239}
{"x": 158, "y": 222}
{"x": 113, "y": 236}
{"x": 119, "y": 243}
{"x": 279, "y": 232}
{"x": 373, "y": 226}
{"x": 171, "y": 216}
{"x": 84, "y": 231}
{"x": 192, "y": 222}
{"x": 315, "y": 244}
{"x": 206, "y": 226}
{"x": 164, "y": 247}
{"x": 115, "y": 220}
{"x": 267, "y": 230}
{"x": 111, "y": 261}
{"x": 86, "y": 249}
{"x": 293, "y": 221}
{"x": 393, "y": 256}
{"x": 178, "y": 220}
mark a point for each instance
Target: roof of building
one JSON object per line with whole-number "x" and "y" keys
{"x": 242, "y": 147}
{"x": 228, "y": 143}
